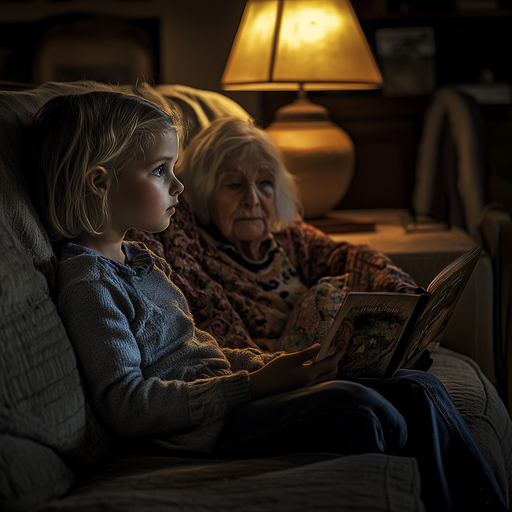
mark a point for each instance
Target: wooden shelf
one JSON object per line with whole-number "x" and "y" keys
{"x": 378, "y": 16}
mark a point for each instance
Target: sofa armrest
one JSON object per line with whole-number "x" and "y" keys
{"x": 497, "y": 236}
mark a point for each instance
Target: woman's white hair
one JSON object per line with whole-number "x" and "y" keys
{"x": 226, "y": 136}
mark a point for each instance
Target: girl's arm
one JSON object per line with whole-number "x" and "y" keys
{"x": 126, "y": 390}
{"x": 248, "y": 359}
{"x": 291, "y": 371}
{"x": 156, "y": 374}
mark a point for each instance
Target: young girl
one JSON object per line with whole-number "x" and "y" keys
{"x": 103, "y": 163}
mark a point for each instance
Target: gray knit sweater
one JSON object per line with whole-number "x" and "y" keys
{"x": 149, "y": 371}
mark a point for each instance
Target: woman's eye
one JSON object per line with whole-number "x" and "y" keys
{"x": 234, "y": 186}
{"x": 267, "y": 184}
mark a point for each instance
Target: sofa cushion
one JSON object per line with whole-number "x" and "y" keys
{"x": 23, "y": 483}
{"x": 371, "y": 482}
{"x": 45, "y": 423}
{"x": 16, "y": 110}
{"x": 199, "y": 107}
{"x": 481, "y": 407}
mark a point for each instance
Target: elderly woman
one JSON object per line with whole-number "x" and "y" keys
{"x": 239, "y": 250}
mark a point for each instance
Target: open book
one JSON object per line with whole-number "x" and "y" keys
{"x": 380, "y": 332}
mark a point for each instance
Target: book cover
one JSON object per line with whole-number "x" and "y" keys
{"x": 368, "y": 329}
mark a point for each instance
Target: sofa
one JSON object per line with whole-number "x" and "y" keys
{"x": 55, "y": 455}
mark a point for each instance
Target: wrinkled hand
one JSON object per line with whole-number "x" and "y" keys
{"x": 292, "y": 371}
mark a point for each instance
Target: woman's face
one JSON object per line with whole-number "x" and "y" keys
{"x": 243, "y": 202}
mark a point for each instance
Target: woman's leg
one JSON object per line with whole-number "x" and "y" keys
{"x": 336, "y": 417}
{"x": 453, "y": 469}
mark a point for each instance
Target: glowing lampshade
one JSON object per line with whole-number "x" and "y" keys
{"x": 305, "y": 45}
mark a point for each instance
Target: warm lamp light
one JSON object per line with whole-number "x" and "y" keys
{"x": 305, "y": 45}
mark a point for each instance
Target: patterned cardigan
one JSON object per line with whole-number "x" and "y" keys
{"x": 229, "y": 301}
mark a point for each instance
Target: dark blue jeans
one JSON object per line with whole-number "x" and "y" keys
{"x": 410, "y": 414}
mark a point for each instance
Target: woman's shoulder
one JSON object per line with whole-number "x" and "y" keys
{"x": 300, "y": 235}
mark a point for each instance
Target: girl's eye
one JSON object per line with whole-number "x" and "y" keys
{"x": 158, "y": 171}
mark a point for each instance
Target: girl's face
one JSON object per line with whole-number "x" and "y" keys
{"x": 243, "y": 203}
{"x": 146, "y": 192}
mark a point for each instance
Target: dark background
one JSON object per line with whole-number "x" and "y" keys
{"x": 188, "y": 42}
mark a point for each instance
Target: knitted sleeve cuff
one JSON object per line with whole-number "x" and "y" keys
{"x": 212, "y": 399}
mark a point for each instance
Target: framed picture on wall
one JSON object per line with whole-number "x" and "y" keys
{"x": 407, "y": 59}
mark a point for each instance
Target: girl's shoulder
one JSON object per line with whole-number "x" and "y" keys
{"x": 78, "y": 260}
{"x": 79, "y": 266}
{"x": 144, "y": 260}
{"x": 82, "y": 271}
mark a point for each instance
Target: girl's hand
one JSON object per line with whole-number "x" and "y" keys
{"x": 291, "y": 371}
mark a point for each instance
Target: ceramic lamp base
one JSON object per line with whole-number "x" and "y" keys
{"x": 317, "y": 152}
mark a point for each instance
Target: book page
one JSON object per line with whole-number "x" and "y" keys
{"x": 368, "y": 329}
{"x": 445, "y": 291}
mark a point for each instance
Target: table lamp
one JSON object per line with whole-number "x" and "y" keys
{"x": 305, "y": 45}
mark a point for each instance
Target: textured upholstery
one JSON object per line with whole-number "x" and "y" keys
{"x": 199, "y": 107}
{"x": 482, "y": 409}
{"x": 44, "y": 418}
{"x": 285, "y": 484}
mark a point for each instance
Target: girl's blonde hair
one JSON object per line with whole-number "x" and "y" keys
{"x": 73, "y": 133}
{"x": 226, "y": 136}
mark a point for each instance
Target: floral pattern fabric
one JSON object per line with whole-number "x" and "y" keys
{"x": 314, "y": 313}
{"x": 234, "y": 304}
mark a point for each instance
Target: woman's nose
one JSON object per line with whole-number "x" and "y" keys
{"x": 252, "y": 197}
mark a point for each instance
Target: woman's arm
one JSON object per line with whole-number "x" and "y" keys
{"x": 316, "y": 255}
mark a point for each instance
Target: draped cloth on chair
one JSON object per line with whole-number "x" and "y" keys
{"x": 450, "y": 172}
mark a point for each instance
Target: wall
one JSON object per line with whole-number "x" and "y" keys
{"x": 195, "y": 35}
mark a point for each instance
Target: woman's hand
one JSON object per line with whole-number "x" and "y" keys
{"x": 291, "y": 371}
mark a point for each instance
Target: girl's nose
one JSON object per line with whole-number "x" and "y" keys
{"x": 176, "y": 187}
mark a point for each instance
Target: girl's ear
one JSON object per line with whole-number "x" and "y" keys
{"x": 97, "y": 180}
